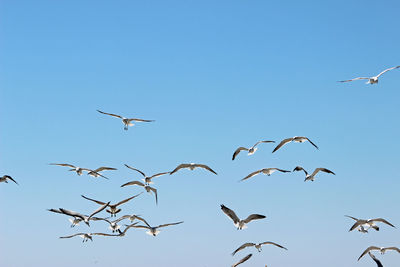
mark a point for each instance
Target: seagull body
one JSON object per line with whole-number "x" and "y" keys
{"x": 250, "y": 150}
{"x": 113, "y": 210}
{"x": 126, "y": 121}
{"x": 267, "y": 171}
{"x": 375, "y": 259}
{"x": 147, "y": 179}
{"x": 148, "y": 188}
{"x": 191, "y": 166}
{"x": 257, "y": 246}
{"x": 311, "y": 177}
{"x": 242, "y": 260}
{"x": 83, "y": 218}
{"x": 382, "y": 250}
{"x": 153, "y": 230}
{"x": 240, "y": 224}
{"x": 5, "y": 179}
{"x": 364, "y": 225}
{"x": 296, "y": 139}
{"x": 373, "y": 79}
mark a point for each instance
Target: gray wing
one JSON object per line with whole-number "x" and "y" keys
{"x": 375, "y": 259}
{"x": 10, "y": 178}
{"x": 264, "y": 141}
{"x": 63, "y": 164}
{"x": 99, "y": 209}
{"x": 72, "y": 213}
{"x": 282, "y": 143}
{"x": 104, "y": 169}
{"x": 158, "y": 174}
{"x": 96, "y": 201}
{"x": 69, "y": 236}
{"x": 242, "y": 260}
{"x": 280, "y": 170}
{"x": 322, "y": 170}
{"x": 110, "y": 114}
{"x": 251, "y": 175}
{"x": 299, "y": 168}
{"x": 126, "y": 228}
{"x": 126, "y": 200}
{"x": 140, "y": 120}
{"x": 368, "y": 250}
{"x": 103, "y": 234}
{"x": 387, "y": 70}
{"x": 356, "y": 224}
{"x": 155, "y": 193}
{"x": 312, "y": 143}
{"x": 56, "y": 211}
{"x": 253, "y": 217}
{"x": 351, "y": 217}
{"x": 142, "y": 173}
{"x": 230, "y": 213}
{"x": 181, "y": 166}
{"x": 168, "y": 224}
{"x": 272, "y": 243}
{"x": 245, "y": 245}
{"x": 355, "y": 79}
{"x": 205, "y": 167}
{"x": 143, "y": 220}
{"x": 122, "y": 218}
{"x": 383, "y": 221}
{"x": 133, "y": 183}
{"x": 237, "y": 151}
{"x": 393, "y": 248}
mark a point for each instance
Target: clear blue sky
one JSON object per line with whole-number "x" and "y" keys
{"x": 214, "y": 75}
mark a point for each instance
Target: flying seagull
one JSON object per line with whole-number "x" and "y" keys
{"x": 242, "y": 260}
{"x": 147, "y": 179}
{"x": 148, "y": 188}
{"x": 126, "y": 121}
{"x": 366, "y": 224}
{"x": 154, "y": 230}
{"x": 122, "y": 233}
{"x": 375, "y": 259}
{"x": 75, "y": 220}
{"x": 191, "y": 166}
{"x": 86, "y": 236}
{"x": 74, "y": 168}
{"x": 114, "y": 227}
{"x": 96, "y": 173}
{"x": 240, "y": 224}
{"x": 267, "y": 171}
{"x": 257, "y": 246}
{"x": 312, "y": 176}
{"x": 381, "y": 249}
{"x": 371, "y": 80}
{"x": 113, "y": 207}
{"x": 297, "y": 139}
{"x": 5, "y": 179}
{"x": 250, "y": 150}
{"x": 84, "y": 218}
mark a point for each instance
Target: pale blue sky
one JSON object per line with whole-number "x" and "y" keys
{"x": 214, "y": 75}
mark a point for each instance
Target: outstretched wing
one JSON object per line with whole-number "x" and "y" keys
{"x": 251, "y": 175}
{"x": 180, "y": 166}
{"x": 253, "y": 217}
{"x": 322, "y": 170}
{"x": 133, "y": 183}
{"x": 98, "y": 202}
{"x": 10, "y": 178}
{"x": 110, "y": 114}
{"x": 155, "y": 193}
{"x": 168, "y": 224}
{"x": 69, "y": 236}
{"x": 142, "y": 173}
{"x": 237, "y": 151}
{"x": 245, "y": 245}
{"x": 387, "y": 70}
{"x": 63, "y": 164}
{"x": 104, "y": 169}
{"x": 264, "y": 141}
{"x": 299, "y": 168}
{"x": 312, "y": 143}
{"x": 355, "y": 79}
{"x": 99, "y": 209}
{"x": 375, "y": 259}
{"x": 230, "y": 213}
{"x": 368, "y": 250}
{"x": 126, "y": 200}
{"x": 205, "y": 167}
{"x": 242, "y": 260}
{"x": 72, "y": 213}
{"x": 383, "y": 221}
{"x": 393, "y": 248}
{"x": 139, "y": 120}
{"x": 272, "y": 243}
{"x": 158, "y": 174}
{"x": 282, "y": 143}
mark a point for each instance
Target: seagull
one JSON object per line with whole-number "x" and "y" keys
{"x": 113, "y": 208}
{"x": 76, "y": 220}
{"x": 381, "y": 249}
{"x": 257, "y": 246}
{"x": 114, "y": 227}
{"x": 154, "y": 230}
{"x": 191, "y": 166}
{"x": 250, "y": 150}
{"x": 147, "y": 179}
{"x": 371, "y": 80}
{"x": 267, "y": 171}
{"x": 96, "y": 173}
{"x": 242, "y": 260}
{"x": 297, "y": 139}
{"x": 76, "y": 169}
{"x": 148, "y": 188}
{"x": 87, "y": 236}
{"x": 240, "y": 224}
{"x": 366, "y": 224}
{"x": 375, "y": 259}
{"x": 126, "y": 121}
{"x": 5, "y": 178}
{"x": 312, "y": 176}
{"x": 122, "y": 233}
{"x": 84, "y": 218}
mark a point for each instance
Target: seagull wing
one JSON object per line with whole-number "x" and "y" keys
{"x": 205, "y": 167}
{"x": 98, "y": 202}
{"x": 158, "y": 174}
{"x": 393, "y": 248}
{"x": 56, "y": 211}
{"x": 103, "y": 234}
{"x": 69, "y": 236}
{"x": 383, "y": 221}
{"x": 351, "y": 217}
{"x": 252, "y": 174}
{"x": 110, "y": 114}
{"x": 133, "y": 183}
{"x": 72, "y": 213}
{"x": 10, "y": 178}
{"x": 264, "y": 141}
{"x": 63, "y": 164}
{"x": 299, "y": 168}
{"x": 237, "y": 151}
{"x": 282, "y": 143}
{"x": 155, "y": 193}
{"x": 142, "y": 173}
{"x": 168, "y": 224}
{"x": 126, "y": 228}
{"x": 253, "y": 217}
{"x": 143, "y": 220}
{"x": 99, "y": 209}
{"x": 387, "y": 70}
{"x": 245, "y": 245}
{"x": 140, "y": 120}
{"x": 272, "y": 243}
{"x": 322, "y": 170}
{"x": 355, "y": 79}
{"x": 375, "y": 259}
{"x": 242, "y": 260}
{"x": 312, "y": 143}
{"x": 126, "y": 200}
{"x": 280, "y": 170}
{"x": 181, "y": 166}
{"x": 104, "y": 169}
{"x": 230, "y": 213}
{"x": 368, "y": 250}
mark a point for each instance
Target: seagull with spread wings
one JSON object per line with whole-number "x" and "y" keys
{"x": 296, "y": 139}
{"x": 74, "y": 168}
{"x": 257, "y": 246}
{"x": 148, "y": 188}
{"x": 312, "y": 176}
{"x": 366, "y": 224}
{"x": 242, "y": 260}
{"x": 250, "y": 150}
{"x": 7, "y": 178}
{"x": 96, "y": 173}
{"x": 267, "y": 171}
{"x": 382, "y": 250}
{"x": 83, "y": 218}
{"x": 191, "y": 166}
{"x": 371, "y": 80}
{"x": 378, "y": 262}
{"x": 126, "y": 121}
{"x": 240, "y": 224}
{"x": 147, "y": 179}
{"x": 75, "y": 220}
{"x": 114, "y": 226}
{"x": 153, "y": 230}
{"x": 113, "y": 207}
{"x": 86, "y": 236}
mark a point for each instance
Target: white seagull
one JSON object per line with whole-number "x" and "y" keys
{"x": 86, "y": 236}
{"x": 153, "y": 230}
{"x": 296, "y": 139}
{"x": 312, "y": 176}
{"x": 250, "y": 150}
{"x": 113, "y": 207}
{"x": 114, "y": 227}
{"x": 76, "y": 169}
{"x": 191, "y": 166}
{"x": 84, "y": 218}
{"x": 147, "y": 179}
{"x": 240, "y": 224}
{"x": 5, "y": 179}
{"x": 148, "y": 188}
{"x": 242, "y": 260}
{"x": 126, "y": 121}
{"x": 267, "y": 171}
{"x": 257, "y": 246}
{"x": 371, "y": 80}
{"x": 75, "y": 220}
{"x": 366, "y": 224}
{"x": 381, "y": 249}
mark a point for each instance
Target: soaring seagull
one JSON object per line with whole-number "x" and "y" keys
{"x": 371, "y": 80}
{"x": 148, "y": 188}
{"x": 257, "y": 246}
{"x": 153, "y": 230}
{"x": 113, "y": 207}
{"x": 84, "y": 218}
{"x": 147, "y": 179}
{"x": 366, "y": 224}
{"x": 250, "y": 150}
{"x": 191, "y": 166}
{"x": 126, "y": 121}
{"x": 114, "y": 227}
{"x": 87, "y": 236}
{"x": 74, "y": 168}
{"x": 242, "y": 260}
{"x": 267, "y": 171}
{"x": 296, "y": 139}
{"x": 375, "y": 259}
{"x": 312, "y": 176}
{"x": 76, "y": 220}
{"x": 5, "y": 179}
{"x": 381, "y": 249}
{"x": 240, "y": 224}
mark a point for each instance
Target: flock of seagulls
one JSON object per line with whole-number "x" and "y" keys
{"x": 137, "y": 221}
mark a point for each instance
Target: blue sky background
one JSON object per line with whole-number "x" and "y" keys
{"x": 214, "y": 75}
